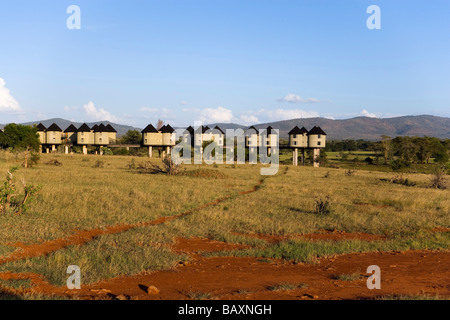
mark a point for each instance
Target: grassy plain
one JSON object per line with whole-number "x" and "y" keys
{"x": 78, "y": 195}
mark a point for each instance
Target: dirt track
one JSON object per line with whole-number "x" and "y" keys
{"x": 402, "y": 273}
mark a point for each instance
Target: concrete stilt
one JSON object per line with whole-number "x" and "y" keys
{"x": 303, "y": 156}
{"x": 47, "y": 150}
{"x": 295, "y": 157}
{"x": 252, "y": 155}
{"x": 53, "y": 148}
{"x": 316, "y": 155}
{"x": 84, "y": 149}
{"x": 66, "y": 150}
{"x": 150, "y": 152}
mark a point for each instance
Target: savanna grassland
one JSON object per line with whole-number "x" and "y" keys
{"x": 123, "y": 228}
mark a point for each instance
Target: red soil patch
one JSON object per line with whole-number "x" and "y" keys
{"x": 317, "y": 236}
{"x": 199, "y": 245}
{"x": 408, "y": 273}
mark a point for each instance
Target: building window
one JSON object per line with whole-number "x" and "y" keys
{"x": 295, "y": 143}
{"x": 318, "y": 143}
{"x": 318, "y": 136}
{"x": 82, "y": 133}
{"x": 145, "y": 140}
{"x": 295, "y": 136}
{"x": 100, "y": 139}
{"x": 82, "y": 139}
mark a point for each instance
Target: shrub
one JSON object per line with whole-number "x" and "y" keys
{"x": 323, "y": 206}
{"x": 400, "y": 164}
{"x": 438, "y": 180}
{"x": 10, "y": 201}
{"x": 169, "y": 167}
{"x": 349, "y": 172}
{"x": 369, "y": 160}
{"x": 54, "y": 162}
{"x": 99, "y": 164}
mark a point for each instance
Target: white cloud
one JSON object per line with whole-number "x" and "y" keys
{"x": 7, "y": 101}
{"x": 249, "y": 119}
{"x": 212, "y": 115}
{"x": 293, "y": 98}
{"x": 183, "y": 103}
{"x": 366, "y": 113}
{"x": 154, "y": 113}
{"x": 95, "y": 114}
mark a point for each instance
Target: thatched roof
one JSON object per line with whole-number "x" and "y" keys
{"x": 71, "y": 128}
{"x": 149, "y": 129}
{"x": 54, "y": 127}
{"x": 316, "y": 131}
{"x": 84, "y": 128}
{"x": 41, "y": 127}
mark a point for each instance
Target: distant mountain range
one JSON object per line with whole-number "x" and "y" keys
{"x": 355, "y": 128}
{"x": 363, "y": 127}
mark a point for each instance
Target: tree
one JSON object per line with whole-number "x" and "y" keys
{"x": 20, "y": 138}
{"x": 386, "y": 144}
{"x": 159, "y": 124}
{"x": 131, "y": 137}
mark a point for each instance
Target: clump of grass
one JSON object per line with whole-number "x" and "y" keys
{"x": 54, "y": 162}
{"x": 205, "y": 173}
{"x": 285, "y": 286}
{"x": 322, "y": 206}
{"x": 398, "y": 179}
{"x": 327, "y": 175}
{"x": 168, "y": 167}
{"x": 198, "y": 295}
{"x": 131, "y": 165}
{"x": 350, "y": 172}
{"x": 99, "y": 164}
{"x": 438, "y": 180}
{"x": 347, "y": 277}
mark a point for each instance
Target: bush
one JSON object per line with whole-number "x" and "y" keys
{"x": 10, "y": 201}
{"x": 438, "y": 180}
{"x": 400, "y": 164}
{"x": 322, "y": 206}
{"x": 99, "y": 164}
{"x": 369, "y": 160}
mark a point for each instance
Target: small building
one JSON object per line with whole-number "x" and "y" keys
{"x": 112, "y": 133}
{"x": 101, "y": 135}
{"x": 151, "y": 137}
{"x": 70, "y": 134}
{"x": 41, "y": 132}
{"x": 218, "y": 136}
{"x": 252, "y": 137}
{"x": 317, "y": 138}
{"x": 268, "y": 138}
{"x": 168, "y": 136}
{"x": 202, "y": 134}
{"x": 84, "y": 135}
{"x": 53, "y": 135}
{"x": 188, "y": 135}
{"x": 298, "y": 138}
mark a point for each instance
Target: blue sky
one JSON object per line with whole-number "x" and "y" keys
{"x": 238, "y": 61}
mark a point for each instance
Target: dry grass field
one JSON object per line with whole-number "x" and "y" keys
{"x": 222, "y": 232}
